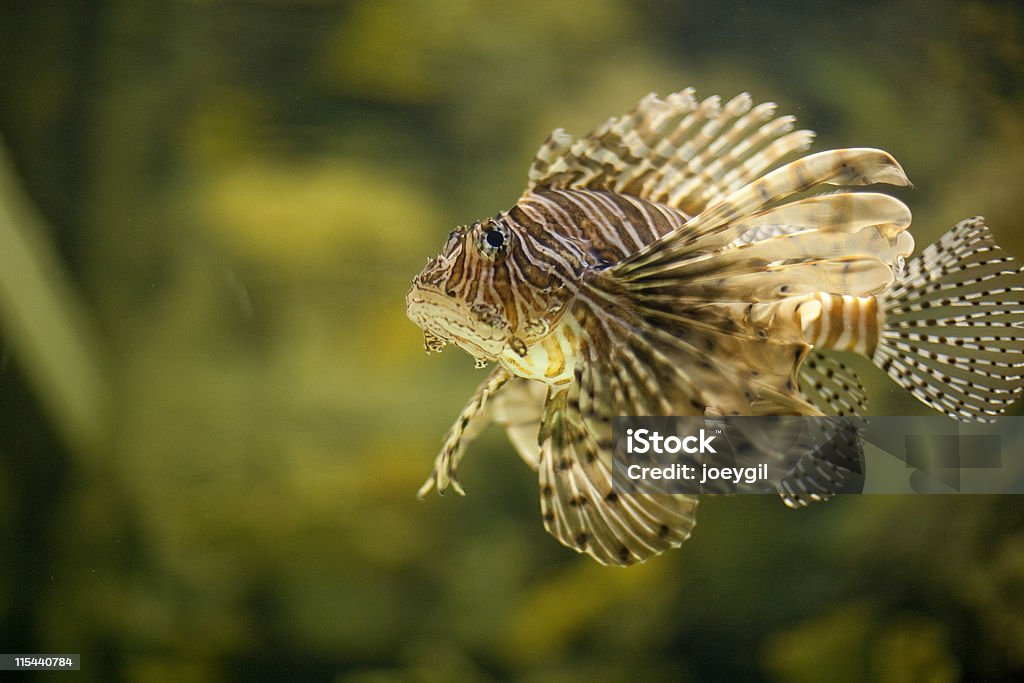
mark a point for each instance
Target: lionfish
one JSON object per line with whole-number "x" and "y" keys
{"x": 668, "y": 264}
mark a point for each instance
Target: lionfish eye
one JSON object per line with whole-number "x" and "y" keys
{"x": 494, "y": 238}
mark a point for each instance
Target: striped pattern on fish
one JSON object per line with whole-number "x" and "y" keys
{"x": 671, "y": 263}
{"x": 841, "y": 322}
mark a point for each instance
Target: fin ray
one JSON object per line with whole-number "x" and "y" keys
{"x": 723, "y": 222}
{"x": 937, "y": 341}
{"x": 470, "y": 422}
{"x": 675, "y": 151}
{"x": 832, "y": 386}
{"x": 579, "y": 504}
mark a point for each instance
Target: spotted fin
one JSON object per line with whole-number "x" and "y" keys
{"x": 832, "y": 386}
{"x": 954, "y": 326}
{"x": 640, "y": 360}
{"x": 512, "y": 402}
{"x": 578, "y": 503}
{"x": 470, "y": 422}
{"x": 828, "y": 470}
{"x": 678, "y": 152}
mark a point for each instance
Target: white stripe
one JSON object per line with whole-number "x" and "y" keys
{"x": 846, "y": 341}
{"x": 826, "y": 325}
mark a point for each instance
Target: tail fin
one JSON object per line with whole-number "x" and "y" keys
{"x": 954, "y": 325}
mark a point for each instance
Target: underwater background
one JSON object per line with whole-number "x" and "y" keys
{"x": 214, "y": 414}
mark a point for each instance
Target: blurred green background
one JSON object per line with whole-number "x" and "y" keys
{"x": 215, "y": 414}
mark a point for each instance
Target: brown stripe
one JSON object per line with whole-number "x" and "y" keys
{"x": 872, "y": 325}
{"x": 835, "y": 320}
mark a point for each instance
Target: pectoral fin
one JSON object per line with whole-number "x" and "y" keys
{"x": 579, "y": 505}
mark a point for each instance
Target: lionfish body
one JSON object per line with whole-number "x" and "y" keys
{"x": 666, "y": 264}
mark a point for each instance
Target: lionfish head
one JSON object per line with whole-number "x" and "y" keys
{"x": 481, "y": 290}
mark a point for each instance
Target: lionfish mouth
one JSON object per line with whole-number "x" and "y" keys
{"x": 445, "y": 320}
